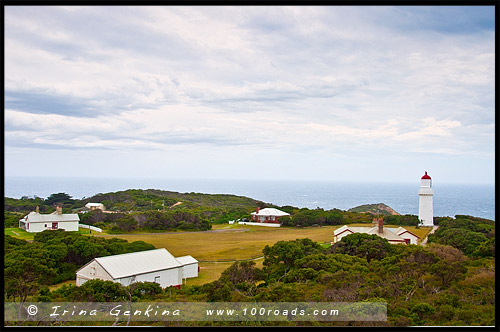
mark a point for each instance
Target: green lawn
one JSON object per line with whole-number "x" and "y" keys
{"x": 22, "y": 234}
{"x": 19, "y": 233}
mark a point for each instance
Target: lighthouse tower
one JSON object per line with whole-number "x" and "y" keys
{"x": 425, "y": 211}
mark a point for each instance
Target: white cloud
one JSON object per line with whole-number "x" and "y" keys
{"x": 336, "y": 80}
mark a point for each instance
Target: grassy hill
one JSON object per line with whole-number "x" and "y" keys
{"x": 379, "y": 208}
{"x": 153, "y": 199}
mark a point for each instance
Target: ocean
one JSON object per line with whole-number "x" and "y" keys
{"x": 449, "y": 199}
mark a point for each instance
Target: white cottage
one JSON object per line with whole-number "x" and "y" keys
{"x": 156, "y": 265}
{"x": 35, "y": 222}
{"x": 398, "y": 235}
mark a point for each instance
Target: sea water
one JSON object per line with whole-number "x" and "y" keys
{"x": 449, "y": 199}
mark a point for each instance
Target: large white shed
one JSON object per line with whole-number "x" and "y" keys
{"x": 156, "y": 265}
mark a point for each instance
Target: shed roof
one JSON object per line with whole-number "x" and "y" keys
{"x": 185, "y": 260}
{"x": 271, "y": 212}
{"x": 124, "y": 265}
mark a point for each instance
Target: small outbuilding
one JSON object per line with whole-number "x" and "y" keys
{"x": 190, "y": 267}
{"x": 36, "y": 222}
{"x": 157, "y": 265}
{"x": 95, "y": 206}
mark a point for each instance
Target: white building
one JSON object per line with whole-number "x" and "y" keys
{"x": 266, "y": 217}
{"x": 425, "y": 193}
{"x": 398, "y": 235}
{"x": 35, "y": 222}
{"x": 156, "y": 265}
{"x": 95, "y": 206}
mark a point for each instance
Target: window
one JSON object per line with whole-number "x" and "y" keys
{"x": 45, "y": 225}
{"x": 157, "y": 279}
{"x": 54, "y": 225}
{"x": 92, "y": 270}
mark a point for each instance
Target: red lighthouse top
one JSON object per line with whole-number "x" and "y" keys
{"x": 426, "y": 177}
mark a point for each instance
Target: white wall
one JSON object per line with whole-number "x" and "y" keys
{"x": 190, "y": 270}
{"x": 413, "y": 238}
{"x": 425, "y": 210}
{"x": 259, "y": 224}
{"x": 91, "y": 271}
{"x": 170, "y": 277}
{"x": 36, "y": 227}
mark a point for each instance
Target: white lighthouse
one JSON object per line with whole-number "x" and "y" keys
{"x": 425, "y": 211}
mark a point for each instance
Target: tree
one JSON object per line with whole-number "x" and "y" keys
{"x": 280, "y": 258}
{"x": 286, "y": 252}
{"x": 451, "y": 265}
{"x": 465, "y": 240}
{"x": 369, "y": 246}
{"x": 99, "y": 291}
{"x": 145, "y": 289}
{"x": 26, "y": 270}
{"x": 243, "y": 272}
{"x": 60, "y": 198}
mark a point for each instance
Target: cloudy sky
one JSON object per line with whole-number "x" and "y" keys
{"x": 311, "y": 93}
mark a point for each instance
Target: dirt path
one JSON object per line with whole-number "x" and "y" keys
{"x": 234, "y": 260}
{"x": 424, "y": 241}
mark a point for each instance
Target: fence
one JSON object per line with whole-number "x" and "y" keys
{"x": 92, "y": 228}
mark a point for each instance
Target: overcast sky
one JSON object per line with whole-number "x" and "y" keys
{"x": 324, "y": 93}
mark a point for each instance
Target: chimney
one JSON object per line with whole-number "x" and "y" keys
{"x": 58, "y": 209}
{"x": 258, "y": 209}
{"x": 380, "y": 225}
{"x": 37, "y": 210}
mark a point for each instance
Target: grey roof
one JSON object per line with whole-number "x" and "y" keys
{"x": 185, "y": 260}
{"x": 53, "y": 217}
{"x": 125, "y": 265}
{"x": 387, "y": 233}
{"x": 401, "y": 230}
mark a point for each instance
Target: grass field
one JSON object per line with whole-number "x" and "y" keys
{"x": 216, "y": 250}
{"x": 227, "y": 242}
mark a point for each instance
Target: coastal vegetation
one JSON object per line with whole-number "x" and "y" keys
{"x": 450, "y": 281}
{"x": 422, "y": 285}
{"x": 156, "y": 210}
